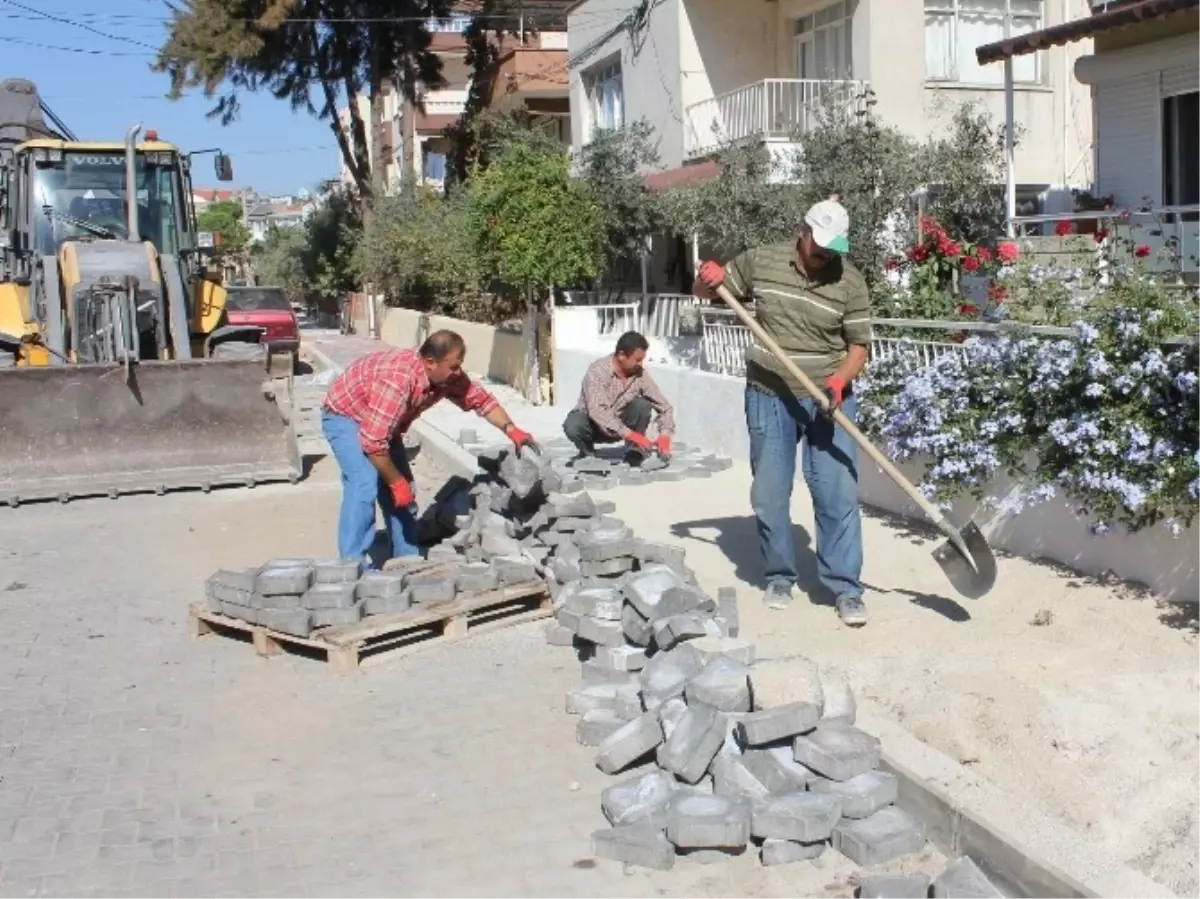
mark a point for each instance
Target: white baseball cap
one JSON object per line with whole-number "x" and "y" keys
{"x": 830, "y": 224}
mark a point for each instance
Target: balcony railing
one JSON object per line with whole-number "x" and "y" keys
{"x": 775, "y": 109}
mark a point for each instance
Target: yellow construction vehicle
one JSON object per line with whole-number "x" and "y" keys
{"x": 118, "y": 370}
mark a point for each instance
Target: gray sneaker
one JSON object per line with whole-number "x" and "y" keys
{"x": 778, "y": 595}
{"x": 852, "y": 610}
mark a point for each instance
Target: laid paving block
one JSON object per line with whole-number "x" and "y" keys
{"x": 609, "y": 567}
{"x": 888, "y": 834}
{"x": 557, "y": 635}
{"x": 330, "y": 595}
{"x": 620, "y": 658}
{"x": 780, "y": 681}
{"x": 437, "y": 591}
{"x": 514, "y": 570}
{"x": 723, "y": 684}
{"x": 636, "y": 739}
{"x": 694, "y": 742}
{"x": 801, "y": 817}
{"x": 327, "y": 617}
{"x": 243, "y": 613}
{"x": 701, "y": 822}
{"x": 653, "y": 464}
{"x": 240, "y": 580}
{"x": 291, "y": 581}
{"x": 963, "y": 880}
{"x": 596, "y": 602}
{"x": 839, "y": 700}
{"x": 387, "y": 605}
{"x": 666, "y": 674}
{"x": 777, "y": 769}
{"x": 601, "y": 632}
{"x": 639, "y": 798}
{"x": 288, "y": 601}
{"x": 594, "y": 673}
{"x": 771, "y": 725}
{"x": 727, "y": 609}
{"x": 380, "y": 585}
{"x": 635, "y": 844}
{"x": 596, "y": 726}
{"x": 900, "y": 886}
{"x": 645, "y": 589}
{"x": 785, "y": 852}
{"x": 860, "y": 796}
{"x": 297, "y": 622}
{"x": 837, "y": 751}
{"x": 732, "y": 779}
{"x": 676, "y": 628}
{"x": 478, "y": 577}
{"x": 736, "y": 649}
{"x": 638, "y": 629}
{"x": 669, "y": 714}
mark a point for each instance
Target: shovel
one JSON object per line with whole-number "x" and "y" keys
{"x": 966, "y": 557}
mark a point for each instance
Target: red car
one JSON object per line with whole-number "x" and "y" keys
{"x": 267, "y": 308}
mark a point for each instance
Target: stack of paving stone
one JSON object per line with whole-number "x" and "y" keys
{"x": 608, "y": 467}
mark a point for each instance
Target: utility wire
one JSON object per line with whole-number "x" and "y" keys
{"x": 60, "y": 20}
{"x": 88, "y": 51}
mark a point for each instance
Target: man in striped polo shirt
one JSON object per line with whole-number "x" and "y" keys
{"x": 815, "y": 304}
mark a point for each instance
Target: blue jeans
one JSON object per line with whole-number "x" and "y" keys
{"x": 362, "y": 488}
{"x": 777, "y": 424}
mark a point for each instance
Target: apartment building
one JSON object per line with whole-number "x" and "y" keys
{"x": 707, "y": 71}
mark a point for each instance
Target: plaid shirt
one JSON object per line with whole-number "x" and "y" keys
{"x": 604, "y": 396}
{"x": 386, "y": 391}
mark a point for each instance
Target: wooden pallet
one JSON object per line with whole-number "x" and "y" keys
{"x": 380, "y": 638}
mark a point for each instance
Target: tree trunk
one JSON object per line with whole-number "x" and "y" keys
{"x": 531, "y": 348}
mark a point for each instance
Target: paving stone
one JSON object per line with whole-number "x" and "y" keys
{"x": 635, "y": 844}
{"x": 441, "y": 552}
{"x": 569, "y": 620}
{"x": 620, "y": 658}
{"x": 330, "y": 595}
{"x": 718, "y": 855}
{"x": 723, "y": 684}
{"x": 637, "y": 629}
{"x": 665, "y": 553}
{"x": 717, "y": 463}
{"x": 478, "y": 577}
{"x": 297, "y": 622}
{"x": 653, "y": 464}
{"x": 785, "y": 852}
{"x": 839, "y": 700}
{"x": 636, "y": 739}
{"x": 514, "y": 570}
{"x": 963, "y": 880}
{"x": 387, "y": 605}
{"x": 639, "y": 798}
{"x": 779, "y": 681}
{"x": 685, "y": 599}
{"x": 600, "y": 631}
{"x": 645, "y": 589}
{"x": 669, "y": 714}
{"x": 438, "y": 591}
{"x": 694, "y": 742}
{"x": 698, "y": 822}
{"x": 837, "y": 751}
{"x": 289, "y": 601}
{"x": 777, "y": 769}
{"x": 596, "y": 602}
{"x": 629, "y": 702}
{"x": 860, "y": 796}
{"x": 732, "y": 779}
{"x": 226, "y": 593}
{"x": 901, "y": 886}
{"x": 211, "y": 603}
{"x": 240, "y": 580}
{"x": 496, "y": 543}
{"x": 573, "y": 525}
{"x": 283, "y": 581}
{"x": 287, "y": 563}
{"x": 242, "y": 613}
{"x": 521, "y": 473}
{"x": 596, "y": 726}
{"x": 711, "y": 647}
{"x": 576, "y": 505}
{"x": 727, "y": 609}
{"x": 592, "y": 465}
{"x": 600, "y": 549}
{"x": 594, "y": 673}
{"x": 772, "y": 725}
{"x": 327, "y": 617}
{"x": 557, "y": 635}
{"x": 467, "y": 435}
{"x": 608, "y": 567}
{"x": 606, "y": 507}
{"x": 888, "y": 834}
{"x": 801, "y": 817}
{"x": 591, "y": 698}
{"x": 675, "y": 629}
{"x": 379, "y": 585}
{"x": 666, "y": 674}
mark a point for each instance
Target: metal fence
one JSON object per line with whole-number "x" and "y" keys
{"x": 654, "y": 314}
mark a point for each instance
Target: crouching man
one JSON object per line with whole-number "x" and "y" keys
{"x": 365, "y": 415}
{"x": 617, "y": 403}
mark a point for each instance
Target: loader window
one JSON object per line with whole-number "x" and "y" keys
{"x": 83, "y": 198}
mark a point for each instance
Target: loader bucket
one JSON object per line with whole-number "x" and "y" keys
{"x": 71, "y": 431}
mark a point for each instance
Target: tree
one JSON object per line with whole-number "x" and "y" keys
{"x": 279, "y": 260}
{"x": 297, "y": 48}
{"x": 224, "y": 218}
{"x": 332, "y": 232}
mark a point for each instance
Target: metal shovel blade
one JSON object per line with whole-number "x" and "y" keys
{"x": 970, "y": 565}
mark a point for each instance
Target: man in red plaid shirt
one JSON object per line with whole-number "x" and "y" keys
{"x": 366, "y": 412}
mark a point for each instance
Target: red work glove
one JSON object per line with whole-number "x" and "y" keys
{"x": 638, "y": 440}
{"x": 663, "y": 445}
{"x": 835, "y": 390}
{"x": 712, "y": 274}
{"x": 521, "y": 438}
{"x": 402, "y": 494}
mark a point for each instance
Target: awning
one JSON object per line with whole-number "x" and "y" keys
{"x": 685, "y": 174}
{"x": 1077, "y": 30}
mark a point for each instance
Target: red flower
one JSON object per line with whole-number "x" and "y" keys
{"x": 1141, "y": 251}
{"x": 1099, "y": 235}
{"x": 949, "y": 248}
{"x": 967, "y": 309}
{"x": 890, "y": 265}
{"x": 1008, "y": 252}
{"x": 971, "y": 264}
{"x": 997, "y": 294}
{"x": 984, "y": 254}
{"x": 918, "y": 254}
{"x": 1063, "y": 228}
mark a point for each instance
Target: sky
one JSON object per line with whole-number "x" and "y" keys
{"x": 99, "y": 86}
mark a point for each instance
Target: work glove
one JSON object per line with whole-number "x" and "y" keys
{"x": 638, "y": 440}
{"x": 402, "y": 493}
{"x": 663, "y": 445}
{"x": 521, "y": 438}
{"x": 712, "y": 274}
{"x": 835, "y": 392}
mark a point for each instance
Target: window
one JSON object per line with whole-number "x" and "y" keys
{"x": 606, "y": 97}
{"x": 821, "y": 43}
{"x": 435, "y": 166}
{"x": 954, "y": 28}
{"x": 1181, "y": 149}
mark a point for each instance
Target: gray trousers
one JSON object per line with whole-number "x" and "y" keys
{"x": 585, "y": 433}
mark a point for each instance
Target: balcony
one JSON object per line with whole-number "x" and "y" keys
{"x": 778, "y": 109}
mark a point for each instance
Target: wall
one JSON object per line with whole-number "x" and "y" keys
{"x": 709, "y": 413}
{"x": 495, "y": 352}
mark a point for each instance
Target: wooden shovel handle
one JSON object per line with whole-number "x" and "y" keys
{"x": 848, "y": 426}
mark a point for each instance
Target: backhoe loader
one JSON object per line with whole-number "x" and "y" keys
{"x": 119, "y": 372}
